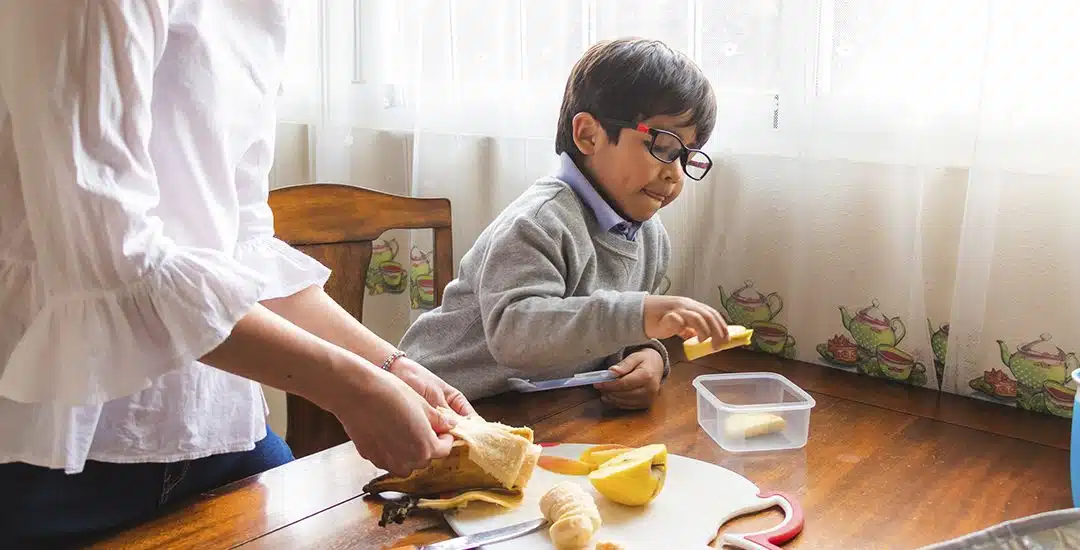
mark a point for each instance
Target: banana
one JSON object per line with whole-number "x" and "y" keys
{"x": 395, "y": 511}
{"x": 488, "y": 462}
{"x": 455, "y": 472}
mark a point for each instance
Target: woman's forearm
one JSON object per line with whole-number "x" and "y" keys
{"x": 267, "y": 348}
{"x": 314, "y": 311}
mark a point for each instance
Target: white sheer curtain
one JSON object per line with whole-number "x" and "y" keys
{"x": 915, "y": 154}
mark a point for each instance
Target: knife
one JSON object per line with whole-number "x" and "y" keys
{"x": 522, "y": 385}
{"x": 488, "y": 537}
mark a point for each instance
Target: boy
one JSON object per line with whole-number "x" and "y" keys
{"x": 559, "y": 283}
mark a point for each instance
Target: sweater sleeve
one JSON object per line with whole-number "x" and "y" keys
{"x": 123, "y": 303}
{"x": 528, "y": 320}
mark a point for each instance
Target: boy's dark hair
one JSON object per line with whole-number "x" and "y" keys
{"x": 631, "y": 80}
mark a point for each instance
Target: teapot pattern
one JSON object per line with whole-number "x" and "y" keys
{"x": 421, "y": 280}
{"x": 871, "y": 346}
{"x": 385, "y": 275}
{"x": 752, "y": 309}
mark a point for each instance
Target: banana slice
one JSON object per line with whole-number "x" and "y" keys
{"x": 572, "y": 513}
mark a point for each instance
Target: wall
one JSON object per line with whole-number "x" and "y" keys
{"x": 980, "y": 252}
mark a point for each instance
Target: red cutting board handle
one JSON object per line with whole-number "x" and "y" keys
{"x": 771, "y": 539}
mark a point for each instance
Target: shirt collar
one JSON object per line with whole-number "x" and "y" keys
{"x": 605, "y": 215}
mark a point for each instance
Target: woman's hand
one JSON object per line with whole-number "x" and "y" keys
{"x": 393, "y": 426}
{"x": 433, "y": 389}
{"x": 390, "y": 424}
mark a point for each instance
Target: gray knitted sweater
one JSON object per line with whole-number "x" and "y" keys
{"x": 544, "y": 293}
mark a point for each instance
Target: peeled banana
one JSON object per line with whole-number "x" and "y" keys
{"x": 455, "y": 472}
{"x": 488, "y": 462}
{"x": 572, "y": 513}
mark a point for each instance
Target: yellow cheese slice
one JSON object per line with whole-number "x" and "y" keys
{"x": 738, "y": 336}
{"x": 747, "y": 425}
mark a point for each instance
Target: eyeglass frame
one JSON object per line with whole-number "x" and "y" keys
{"x": 684, "y": 154}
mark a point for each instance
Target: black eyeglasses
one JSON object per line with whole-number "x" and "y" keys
{"x": 667, "y": 147}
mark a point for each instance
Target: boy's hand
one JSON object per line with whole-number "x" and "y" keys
{"x": 638, "y": 383}
{"x": 667, "y": 316}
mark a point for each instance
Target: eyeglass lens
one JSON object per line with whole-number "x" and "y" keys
{"x": 668, "y": 148}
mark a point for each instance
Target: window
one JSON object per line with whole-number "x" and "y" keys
{"x": 849, "y": 78}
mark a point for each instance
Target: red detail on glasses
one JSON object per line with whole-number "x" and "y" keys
{"x": 641, "y": 127}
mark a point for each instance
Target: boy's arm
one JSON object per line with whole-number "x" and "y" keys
{"x": 528, "y": 322}
{"x": 663, "y": 258}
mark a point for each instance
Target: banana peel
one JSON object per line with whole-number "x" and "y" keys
{"x": 488, "y": 462}
{"x": 395, "y": 511}
{"x": 454, "y": 472}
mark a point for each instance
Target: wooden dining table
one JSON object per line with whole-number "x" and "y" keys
{"x": 886, "y": 466}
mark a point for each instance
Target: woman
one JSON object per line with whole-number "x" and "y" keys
{"x": 143, "y": 296}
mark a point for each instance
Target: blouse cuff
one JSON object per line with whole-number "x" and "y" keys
{"x": 89, "y": 348}
{"x": 288, "y": 270}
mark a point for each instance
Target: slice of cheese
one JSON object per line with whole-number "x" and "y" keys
{"x": 738, "y": 336}
{"x": 747, "y": 425}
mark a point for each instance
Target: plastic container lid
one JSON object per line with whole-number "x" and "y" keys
{"x": 805, "y": 400}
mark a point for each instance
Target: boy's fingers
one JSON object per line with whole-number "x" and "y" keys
{"x": 627, "y": 365}
{"x": 636, "y": 378}
{"x": 716, "y": 325}
{"x": 696, "y": 321}
{"x": 671, "y": 323}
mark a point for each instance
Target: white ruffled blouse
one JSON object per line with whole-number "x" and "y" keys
{"x": 136, "y": 138}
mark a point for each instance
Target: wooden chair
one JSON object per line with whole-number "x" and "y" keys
{"x": 336, "y": 225}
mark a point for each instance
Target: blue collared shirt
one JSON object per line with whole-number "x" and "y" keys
{"x": 606, "y": 216}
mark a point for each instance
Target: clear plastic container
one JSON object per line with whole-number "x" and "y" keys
{"x": 721, "y": 397}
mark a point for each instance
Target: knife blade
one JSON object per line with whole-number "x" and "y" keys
{"x": 488, "y": 537}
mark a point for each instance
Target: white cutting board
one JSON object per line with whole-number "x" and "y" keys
{"x": 671, "y": 520}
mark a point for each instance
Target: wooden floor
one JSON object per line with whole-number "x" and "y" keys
{"x": 887, "y": 466}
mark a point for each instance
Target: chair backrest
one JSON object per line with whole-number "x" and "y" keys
{"x": 336, "y": 224}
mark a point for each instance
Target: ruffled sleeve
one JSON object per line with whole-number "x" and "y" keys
{"x": 122, "y": 304}
{"x": 286, "y": 269}
{"x": 89, "y": 348}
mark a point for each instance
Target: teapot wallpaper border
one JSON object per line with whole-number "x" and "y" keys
{"x": 1034, "y": 376}
{"x": 747, "y": 307}
{"x": 386, "y": 275}
{"x": 871, "y": 346}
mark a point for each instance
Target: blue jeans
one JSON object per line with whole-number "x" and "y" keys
{"x": 44, "y": 508}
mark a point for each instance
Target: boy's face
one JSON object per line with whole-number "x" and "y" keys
{"x": 629, "y": 176}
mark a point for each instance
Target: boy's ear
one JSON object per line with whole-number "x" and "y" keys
{"x": 588, "y": 134}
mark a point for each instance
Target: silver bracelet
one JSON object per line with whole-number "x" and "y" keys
{"x": 390, "y": 360}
